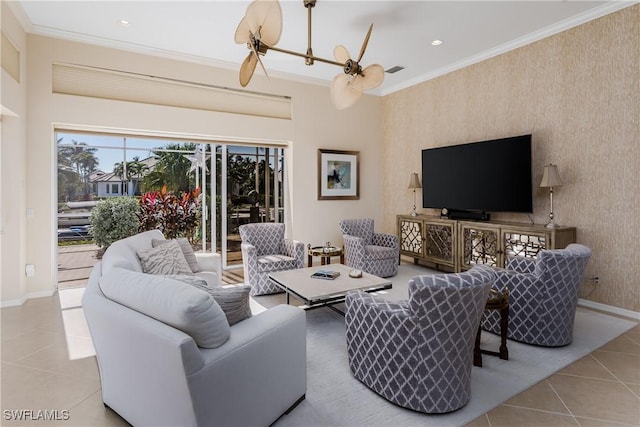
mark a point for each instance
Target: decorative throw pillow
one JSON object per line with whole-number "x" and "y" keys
{"x": 234, "y": 300}
{"x": 187, "y": 251}
{"x": 164, "y": 259}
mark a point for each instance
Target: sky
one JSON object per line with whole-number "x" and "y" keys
{"x": 110, "y": 148}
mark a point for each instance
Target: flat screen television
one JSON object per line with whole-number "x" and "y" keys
{"x": 486, "y": 176}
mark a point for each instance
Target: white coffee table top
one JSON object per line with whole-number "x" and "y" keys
{"x": 300, "y": 283}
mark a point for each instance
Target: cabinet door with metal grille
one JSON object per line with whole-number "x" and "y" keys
{"x": 410, "y": 234}
{"x": 480, "y": 245}
{"x": 439, "y": 242}
{"x": 526, "y": 245}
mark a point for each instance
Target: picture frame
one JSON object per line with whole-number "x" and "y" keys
{"x": 338, "y": 175}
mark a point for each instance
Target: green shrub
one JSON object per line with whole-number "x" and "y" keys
{"x": 114, "y": 219}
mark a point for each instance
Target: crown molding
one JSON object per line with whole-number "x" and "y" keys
{"x": 20, "y": 14}
{"x": 559, "y": 27}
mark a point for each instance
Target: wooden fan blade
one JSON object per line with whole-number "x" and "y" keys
{"x": 343, "y": 94}
{"x": 371, "y": 77}
{"x": 243, "y": 34}
{"x": 265, "y": 17}
{"x": 341, "y": 54}
{"x": 247, "y": 69}
{"x": 365, "y": 43}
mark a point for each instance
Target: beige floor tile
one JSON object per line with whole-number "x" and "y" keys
{"x": 590, "y": 398}
{"x": 75, "y": 323}
{"x": 28, "y": 388}
{"x": 634, "y": 388}
{"x": 27, "y": 343}
{"x": 70, "y": 298}
{"x": 587, "y": 422}
{"x": 25, "y": 320}
{"x": 481, "y": 421}
{"x": 622, "y": 344}
{"x": 634, "y": 334}
{"x": 92, "y": 412}
{"x": 60, "y": 359}
{"x": 510, "y": 416}
{"x": 588, "y": 367}
{"x": 541, "y": 396}
{"x": 625, "y": 366}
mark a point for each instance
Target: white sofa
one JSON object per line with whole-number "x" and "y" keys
{"x": 154, "y": 374}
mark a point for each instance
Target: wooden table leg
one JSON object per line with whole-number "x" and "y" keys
{"x": 477, "y": 354}
{"x": 342, "y": 259}
{"x": 309, "y": 260}
{"x": 504, "y": 326}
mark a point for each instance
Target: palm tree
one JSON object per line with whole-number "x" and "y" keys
{"x": 84, "y": 160}
{"x": 121, "y": 170}
{"x": 68, "y": 180}
{"x": 134, "y": 168}
{"x": 172, "y": 169}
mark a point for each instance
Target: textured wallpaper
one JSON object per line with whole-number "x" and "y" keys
{"x": 578, "y": 93}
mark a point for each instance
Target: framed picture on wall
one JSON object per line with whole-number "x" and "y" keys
{"x": 338, "y": 175}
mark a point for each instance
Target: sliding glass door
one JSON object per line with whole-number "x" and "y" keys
{"x": 251, "y": 188}
{"x": 234, "y": 184}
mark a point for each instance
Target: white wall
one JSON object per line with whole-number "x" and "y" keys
{"x": 13, "y": 221}
{"x": 315, "y": 124}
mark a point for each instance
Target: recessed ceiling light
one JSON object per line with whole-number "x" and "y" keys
{"x": 124, "y": 23}
{"x": 436, "y": 42}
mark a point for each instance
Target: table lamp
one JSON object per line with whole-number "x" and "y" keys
{"x": 414, "y": 183}
{"x": 550, "y": 179}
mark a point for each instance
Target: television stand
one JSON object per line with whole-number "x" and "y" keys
{"x": 462, "y": 214}
{"x": 459, "y": 244}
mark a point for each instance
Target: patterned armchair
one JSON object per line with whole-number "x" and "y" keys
{"x": 543, "y": 294}
{"x": 264, "y": 249}
{"x": 419, "y": 353}
{"x": 375, "y": 253}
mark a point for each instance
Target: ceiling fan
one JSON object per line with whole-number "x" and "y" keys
{"x": 261, "y": 28}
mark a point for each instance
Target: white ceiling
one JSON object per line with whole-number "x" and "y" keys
{"x": 202, "y": 31}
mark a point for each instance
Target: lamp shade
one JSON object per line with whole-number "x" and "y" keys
{"x": 414, "y": 182}
{"x": 551, "y": 177}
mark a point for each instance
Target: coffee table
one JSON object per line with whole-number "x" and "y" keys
{"x": 316, "y": 293}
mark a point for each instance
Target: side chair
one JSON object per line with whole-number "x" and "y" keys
{"x": 543, "y": 295}
{"x": 366, "y": 250}
{"x": 264, "y": 250}
{"x": 418, "y": 353}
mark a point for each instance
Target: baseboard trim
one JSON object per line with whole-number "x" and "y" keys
{"x": 609, "y": 309}
{"x": 17, "y": 302}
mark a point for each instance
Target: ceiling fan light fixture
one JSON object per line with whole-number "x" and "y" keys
{"x": 261, "y": 28}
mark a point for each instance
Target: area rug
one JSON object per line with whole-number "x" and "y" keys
{"x": 335, "y": 398}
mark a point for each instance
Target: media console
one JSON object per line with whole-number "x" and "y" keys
{"x": 457, "y": 245}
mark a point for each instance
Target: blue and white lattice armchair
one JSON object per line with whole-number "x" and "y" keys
{"x": 543, "y": 294}
{"x": 264, "y": 250}
{"x": 419, "y": 353}
{"x": 375, "y": 253}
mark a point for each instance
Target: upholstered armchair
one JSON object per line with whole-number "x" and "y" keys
{"x": 265, "y": 249}
{"x": 419, "y": 353}
{"x": 375, "y": 253}
{"x": 543, "y": 294}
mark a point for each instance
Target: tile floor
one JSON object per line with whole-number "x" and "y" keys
{"x": 47, "y": 362}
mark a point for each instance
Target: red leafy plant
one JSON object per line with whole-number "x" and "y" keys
{"x": 174, "y": 215}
